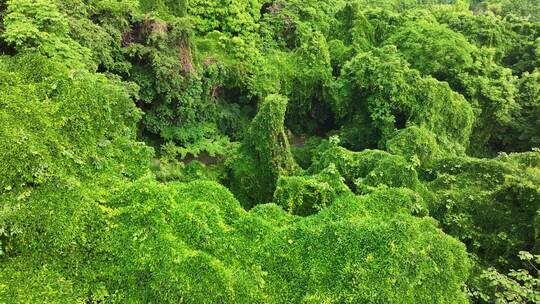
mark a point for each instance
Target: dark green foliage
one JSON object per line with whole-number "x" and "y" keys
{"x": 101, "y": 27}
{"x": 490, "y": 205}
{"x": 305, "y": 151}
{"x": 304, "y": 35}
{"x": 519, "y": 286}
{"x": 512, "y": 41}
{"x": 171, "y": 170}
{"x": 436, "y": 50}
{"x": 525, "y": 8}
{"x": 180, "y": 100}
{"x": 385, "y": 94}
{"x": 166, "y": 8}
{"x": 525, "y": 127}
{"x": 306, "y": 84}
{"x": 487, "y": 30}
{"x": 491, "y": 90}
{"x": 264, "y": 156}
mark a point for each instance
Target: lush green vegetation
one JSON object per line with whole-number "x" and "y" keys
{"x": 269, "y": 151}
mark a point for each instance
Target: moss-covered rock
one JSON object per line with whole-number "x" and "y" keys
{"x": 264, "y": 156}
{"x": 417, "y": 144}
{"x": 305, "y": 195}
{"x": 368, "y": 169}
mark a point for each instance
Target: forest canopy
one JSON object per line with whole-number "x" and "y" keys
{"x": 269, "y": 151}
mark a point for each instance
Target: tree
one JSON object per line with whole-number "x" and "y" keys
{"x": 378, "y": 93}
{"x": 433, "y": 49}
{"x": 524, "y": 132}
{"x": 39, "y": 26}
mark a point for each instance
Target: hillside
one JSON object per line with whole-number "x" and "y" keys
{"x": 269, "y": 151}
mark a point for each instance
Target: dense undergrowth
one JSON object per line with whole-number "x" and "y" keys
{"x": 258, "y": 151}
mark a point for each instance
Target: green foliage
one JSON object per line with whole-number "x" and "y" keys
{"x": 490, "y": 205}
{"x": 525, "y": 127}
{"x": 154, "y": 242}
{"x": 171, "y": 170}
{"x": 524, "y": 8}
{"x": 234, "y": 17}
{"x": 433, "y": 49}
{"x": 264, "y": 155}
{"x": 384, "y": 92}
{"x": 39, "y": 26}
{"x": 305, "y": 195}
{"x": 212, "y": 146}
{"x": 310, "y": 75}
{"x": 189, "y": 227}
{"x": 68, "y": 141}
{"x": 166, "y": 8}
{"x": 331, "y": 255}
{"x": 293, "y": 17}
{"x": 102, "y": 26}
{"x": 485, "y": 30}
{"x": 20, "y": 284}
{"x": 56, "y": 123}
{"x": 60, "y": 227}
{"x": 369, "y": 169}
{"x": 436, "y": 50}
{"x": 518, "y": 286}
{"x": 491, "y": 90}
{"x": 179, "y": 101}
{"x": 87, "y": 217}
{"x": 416, "y": 144}
{"x": 305, "y": 151}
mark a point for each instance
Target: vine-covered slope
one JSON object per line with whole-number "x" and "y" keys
{"x": 269, "y": 151}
